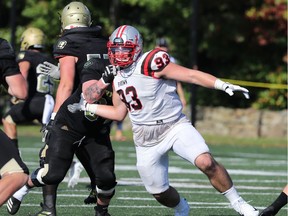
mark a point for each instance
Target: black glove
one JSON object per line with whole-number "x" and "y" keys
{"x": 46, "y": 130}
{"x": 109, "y": 73}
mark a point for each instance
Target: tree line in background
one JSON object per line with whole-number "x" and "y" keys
{"x": 240, "y": 40}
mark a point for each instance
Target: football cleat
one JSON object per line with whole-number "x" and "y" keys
{"x": 92, "y": 198}
{"x": 269, "y": 211}
{"x": 46, "y": 211}
{"x": 244, "y": 209}
{"x": 13, "y": 205}
{"x": 183, "y": 209}
{"x": 103, "y": 213}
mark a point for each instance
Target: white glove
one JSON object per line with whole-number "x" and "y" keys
{"x": 230, "y": 88}
{"x": 48, "y": 69}
{"x": 109, "y": 73}
{"x": 81, "y": 106}
{"x": 74, "y": 174}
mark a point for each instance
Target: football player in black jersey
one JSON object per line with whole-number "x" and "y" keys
{"x": 13, "y": 172}
{"x": 78, "y": 43}
{"x": 81, "y": 130}
{"x": 41, "y": 86}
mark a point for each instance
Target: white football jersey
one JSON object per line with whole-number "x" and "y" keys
{"x": 149, "y": 100}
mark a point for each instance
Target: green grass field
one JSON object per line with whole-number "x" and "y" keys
{"x": 258, "y": 168}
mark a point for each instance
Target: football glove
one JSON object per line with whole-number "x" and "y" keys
{"x": 230, "y": 88}
{"x": 109, "y": 73}
{"x": 14, "y": 100}
{"x": 48, "y": 68}
{"x": 47, "y": 128}
{"x": 81, "y": 106}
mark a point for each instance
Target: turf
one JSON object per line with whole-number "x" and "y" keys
{"x": 258, "y": 169}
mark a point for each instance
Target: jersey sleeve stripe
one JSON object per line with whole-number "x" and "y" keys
{"x": 146, "y": 69}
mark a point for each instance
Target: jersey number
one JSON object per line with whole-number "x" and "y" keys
{"x": 162, "y": 61}
{"x": 45, "y": 84}
{"x": 136, "y": 103}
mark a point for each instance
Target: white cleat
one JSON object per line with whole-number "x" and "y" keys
{"x": 74, "y": 176}
{"x": 183, "y": 208}
{"x": 244, "y": 209}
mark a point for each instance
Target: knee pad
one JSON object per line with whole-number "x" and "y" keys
{"x": 36, "y": 177}
{"x": 106, "y": 194}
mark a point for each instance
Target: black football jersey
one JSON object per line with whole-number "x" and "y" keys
{"x": 8, "y": 65}
{"x": 84, "y": 43}
{"x": 86, "y": 122}
{"x": 39, "y": 84}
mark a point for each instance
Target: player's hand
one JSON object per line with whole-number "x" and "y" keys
{"x": 109, "y": 73}
{"x": 81, "y": 106}
{"x": 48, "y": 68}
{"x": 14, "y": 100}
{"x": 230, "y": 88}
{"x": 46, "y": 130}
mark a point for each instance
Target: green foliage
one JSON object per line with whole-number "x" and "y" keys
{"x": 273, "y": 98}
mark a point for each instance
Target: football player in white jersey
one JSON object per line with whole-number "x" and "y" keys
{"x": 144, "y": 86}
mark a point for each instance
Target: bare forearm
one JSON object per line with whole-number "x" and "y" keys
{"x": 93, "y": 90}
{"x": 61, "y": 96}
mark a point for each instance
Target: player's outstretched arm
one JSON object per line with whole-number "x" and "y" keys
{"x": 180, "y": 73}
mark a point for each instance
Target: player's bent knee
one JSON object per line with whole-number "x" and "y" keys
{"x": 205, "y": 162}
{"x": 106, "y": 194}
{"x": 36, "y": 177}
{"x": 53, "y": 178}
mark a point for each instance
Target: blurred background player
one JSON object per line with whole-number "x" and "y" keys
{"x": 163, "y": 44}
{"x": 40, "y": 86}
{"x": 278, "y": 203}
{"x": 119, "y": 136}
{"x": 13, "y": 172}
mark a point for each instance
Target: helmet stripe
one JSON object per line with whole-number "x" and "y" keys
{"x": 121, "y": 30}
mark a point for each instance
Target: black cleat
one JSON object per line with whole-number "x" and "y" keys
{"x": 46, "y": 211}
{"x": 92, "y": 198}
{"x": 269, "y": 211}
{"x": 103, "y": 213}
{"x": 13, "y": 205}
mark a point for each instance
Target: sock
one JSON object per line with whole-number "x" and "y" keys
{"x": 279, "y": 202}
{"x": 101, "y": 208}
{"x": 19, "y": 195}
{"x": 49, "y": 195}
{"x": 231, "y": 194}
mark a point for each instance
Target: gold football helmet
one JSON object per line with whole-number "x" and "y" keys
{"x": 32, "y": 38}
{"x": 75, "y": 14}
